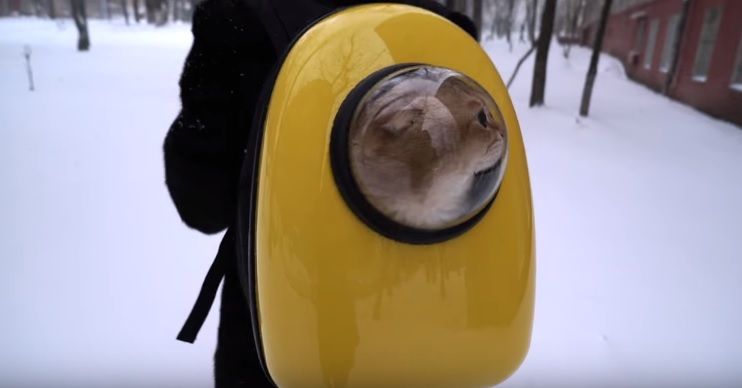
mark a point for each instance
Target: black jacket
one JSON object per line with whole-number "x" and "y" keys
{"x": 224, "y": 71}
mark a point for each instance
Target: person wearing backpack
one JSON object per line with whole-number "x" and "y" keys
{"x": 230, "y": 59}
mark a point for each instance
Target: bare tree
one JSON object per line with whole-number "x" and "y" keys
{"x": 503, "y": 20}
{"x": 177, "y": 10}
{"x": 530, "y": 50}
{"x": 156, "y": 11}
{"x": 171, "y": 10}
{"x": 531, "y": 12}
{"x": 560, "y": 16}
{"x": 492, "y": 7}
{"x": 137, "y": 5}
{"x": 509, "y": 16}
{"x": 183, "y": 10}
{"x": 102, "y": 9}
{"x": 125, "y": 11}
{"x": 573, "y": 13}
{"x": 521, "y": 37}
{"x": 538, "y": 86}
{"x": 150, "y": 8}
{"x": 520, "y": 62}
{"x": 593, "y": 70}
{"x": 477, "y": 17}
{"x": 37, "y": 8}
{"x": 520, "y": 23}
{"x": 161, "y": 13}
{"x": 52, "y": 9}
{"x": 79, "y": 15}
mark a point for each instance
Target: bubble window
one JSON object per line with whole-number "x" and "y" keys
{"x": 419, "y": 152}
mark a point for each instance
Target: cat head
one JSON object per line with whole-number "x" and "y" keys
{"x": 418, "y": 143}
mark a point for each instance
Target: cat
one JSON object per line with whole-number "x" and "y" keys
{"x": 421, "y": 142}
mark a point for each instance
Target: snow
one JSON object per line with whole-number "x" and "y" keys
{"x": 638, "y": 217}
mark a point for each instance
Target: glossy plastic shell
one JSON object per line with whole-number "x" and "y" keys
{"x": 340, "y": 305}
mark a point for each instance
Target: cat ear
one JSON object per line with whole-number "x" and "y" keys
{"x": 397, "y": 122}
{"x": 385, "y": 128}
{"x": 452, "y": 85}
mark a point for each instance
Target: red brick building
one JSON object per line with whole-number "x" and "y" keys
{"x": 690, "y": 50}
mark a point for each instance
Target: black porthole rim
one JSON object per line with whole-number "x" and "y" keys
{"x": 348, "y": 186}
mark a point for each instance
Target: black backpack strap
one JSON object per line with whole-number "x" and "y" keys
{"x": 284, "y": 20}
{"x": 206, "y": 296}
{"x": 203, "y": 304}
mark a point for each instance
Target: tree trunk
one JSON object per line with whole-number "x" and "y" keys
{"x": 593, "y": 70}
{"x": 52, "y": 9}
{"x": 125, "y": 11}
{"x": 81, "y": 22}
{"x": 534, "y": 19}
{"x": 478, "y": 18}
{"x": 177, "y": 12}
{"x": 183, "y": 10}
{"x": 575, "y": 16}
{"x": 157, "y": 12}
{"x": 521, "y": 38}
{"x": 161, "y": 13}
{"x": 538, "y": 86}
{"x": 37, "y": 8}
{"x": 171, "y": 10}
{"x": 576, "y": 8}
{"x": 136, "y": 6}
{"x": 509, "y": 23}
{"x": 102, "y": 9}
{"x": 150, "y": 7}
{"x": 493, "y": 25}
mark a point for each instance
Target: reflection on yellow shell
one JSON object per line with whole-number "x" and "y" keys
{"x": 342, "y": 306}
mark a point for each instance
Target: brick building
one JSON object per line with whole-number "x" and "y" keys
{"x": 690, "y": 50}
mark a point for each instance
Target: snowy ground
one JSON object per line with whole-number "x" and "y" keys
{"x": 638, "y": 216}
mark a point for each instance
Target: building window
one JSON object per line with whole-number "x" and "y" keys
{"x": 668, "y": 50}
{"x": 652, "y": 39}
{"x": 706, "y": 44}
{"x": 737, "y": 70}
{"x": 640, "y": 35}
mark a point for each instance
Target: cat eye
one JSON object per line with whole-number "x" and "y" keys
{"x": 428, "y": 186}
{"x": 482, "y": 117}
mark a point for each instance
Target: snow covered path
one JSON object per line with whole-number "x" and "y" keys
{"x": 638, "y": 214}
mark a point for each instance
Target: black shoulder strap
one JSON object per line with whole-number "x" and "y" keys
{"x": 284, "y": 20}
{"x": 208, "y": 292}
{"x": 203, "y": 304}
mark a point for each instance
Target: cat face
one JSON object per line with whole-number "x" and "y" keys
{"x": 418, "y": 143}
